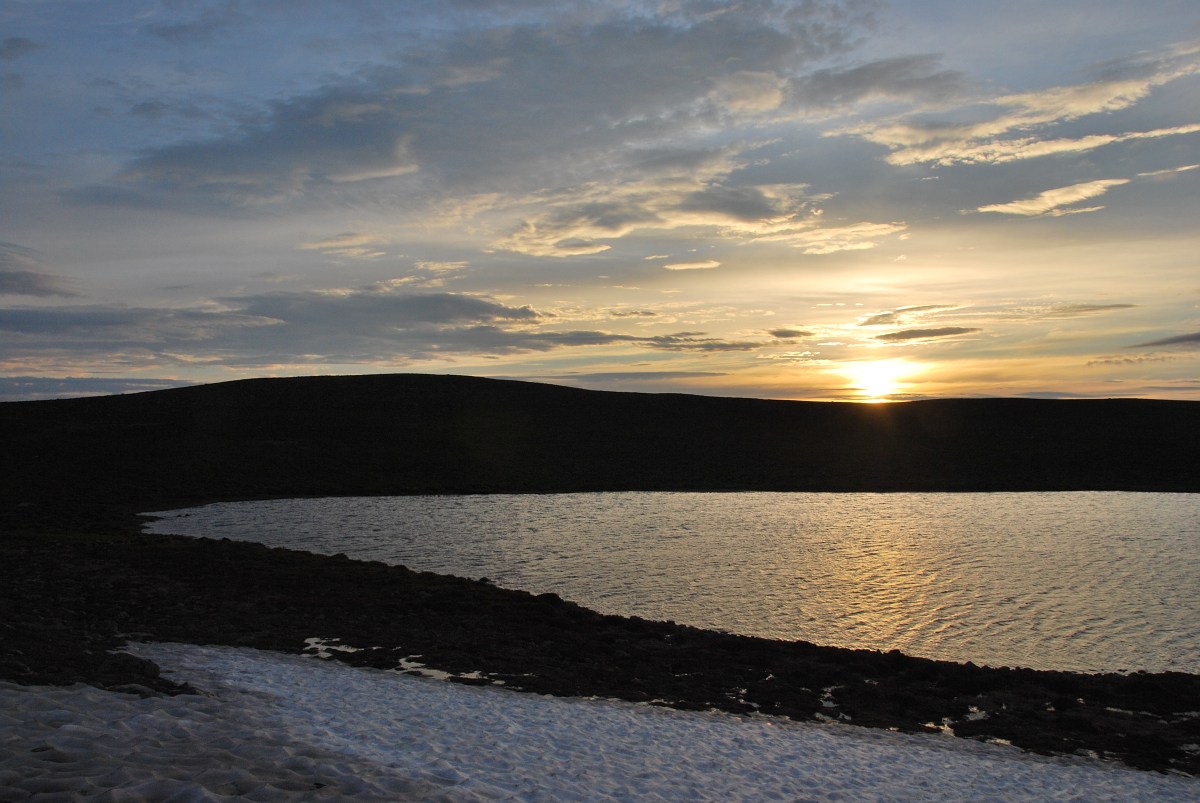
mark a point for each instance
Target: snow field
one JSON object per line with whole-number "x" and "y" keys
{"x": 281, "y": 727}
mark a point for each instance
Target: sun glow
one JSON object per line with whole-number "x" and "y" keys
{"x": 877, "y": 380}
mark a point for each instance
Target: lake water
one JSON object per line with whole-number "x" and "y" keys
{"x": 1079, "y": 581}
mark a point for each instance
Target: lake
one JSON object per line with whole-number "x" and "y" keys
{"x": 1083, "y": 581}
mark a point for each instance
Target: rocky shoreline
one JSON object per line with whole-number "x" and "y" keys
{"x": 72, "y": 593}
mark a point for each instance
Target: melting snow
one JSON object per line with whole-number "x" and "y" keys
{"x": 279, "y": 727}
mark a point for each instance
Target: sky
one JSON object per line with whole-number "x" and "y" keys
{"x": 816, "y": 199}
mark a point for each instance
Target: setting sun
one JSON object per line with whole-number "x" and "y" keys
{"x": 876, "y": 380}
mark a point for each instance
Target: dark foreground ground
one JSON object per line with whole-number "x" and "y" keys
{"x": 66, "y": 599}
{"x": 78, "y": 579}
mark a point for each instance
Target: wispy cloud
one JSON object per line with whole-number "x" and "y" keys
{"x": 586, "y": 220}
{"x": 902, "y": 315}
{"x": 1020, "y": 148}
{"x": 348, "y": 244}
{"x": 930, "y": 138}
{"x": 1042, "y": 312}
{"x": 440, "y": 266}
{"x": 376, "y": 324}
{"x": 22, "y": 274}
{"x": 1057, "y": 202}
{"x": 1170, "y": 171}
{"x": 925, "y": 334}
{"x": 1139, "y": 360}
{"x": 703, "y": 264}
{"x": 1187, "y": 341}
{"x": 32, "y": 283}
{"x": 1073, "y": 310}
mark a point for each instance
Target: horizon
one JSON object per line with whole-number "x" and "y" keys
{"x": 845, "y": 200}
{"x": 25, "y": 389}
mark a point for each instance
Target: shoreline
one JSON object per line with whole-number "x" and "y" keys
{"x": 70, "y": 596}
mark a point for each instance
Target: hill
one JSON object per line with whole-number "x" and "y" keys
{"x": 412, "y": 433}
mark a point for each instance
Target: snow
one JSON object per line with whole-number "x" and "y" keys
{"x": 282, "y": 727}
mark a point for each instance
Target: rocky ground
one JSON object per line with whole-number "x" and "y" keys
{"x": 70, "y": 593}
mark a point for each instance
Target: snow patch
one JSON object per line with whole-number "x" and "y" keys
{"x": 286, "y": 727}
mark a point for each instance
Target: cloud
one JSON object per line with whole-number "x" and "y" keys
{"x": 1140, "y": 360}
{"x": 31, "y": 283}
{"x": 798, "y": 357}
{"x": 433, "y": 266}
{"x": 925, "y": 334}
{"x": 320, "y": 141}
{"x": 545, "y": 98}
{"x": 745, "y": 204}
{"x": 201, "y": 28}
{"x": 585, "y": 219}
{"x": 381, "y": 324}
{"x": 903, "y": 314}
{"x": 704, "y": 264}
{"x": 813, "y": 238}
{"x": 910, "y": 77}
{"x": 20, "y": 274}
{"x": 1012, "y": 150}
{"x": 347, "y": 244}
{"x": 748, "y": 91}
{"x": 547, "y": 116}
{"x": 1072, "y": 310}
{"x": 789, "y": 333}
{"x": 997, "y": 129}
{"x": 376, "y": 309}
{"x": 1042, "y": 312}
{"x": 14, "y": 47}
{"x": 1170, "y": 171}
{"x": 1187, "y": 341}
{"x": 694, "y": 341}
{"x": 1053, "y": 203}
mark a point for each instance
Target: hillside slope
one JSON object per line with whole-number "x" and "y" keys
{"x": 411, "y": 433}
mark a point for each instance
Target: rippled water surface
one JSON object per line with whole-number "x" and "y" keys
{"x": 1079, "y": 581}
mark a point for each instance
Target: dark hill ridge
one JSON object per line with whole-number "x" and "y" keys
{"x": 414, "y": 433}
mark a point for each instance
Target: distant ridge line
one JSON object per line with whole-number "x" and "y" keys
{"x": 427, "y": 433}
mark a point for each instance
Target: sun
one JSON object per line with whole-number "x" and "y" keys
{"x": 876, "y": 380}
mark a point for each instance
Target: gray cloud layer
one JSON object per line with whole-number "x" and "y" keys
{"x": 925, "y": 334}
{"x": 548, "y": 112}
{"x": 1191, "y": 340}
{"x": 20, "y": 274}
{"x": 369, "y": 325}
